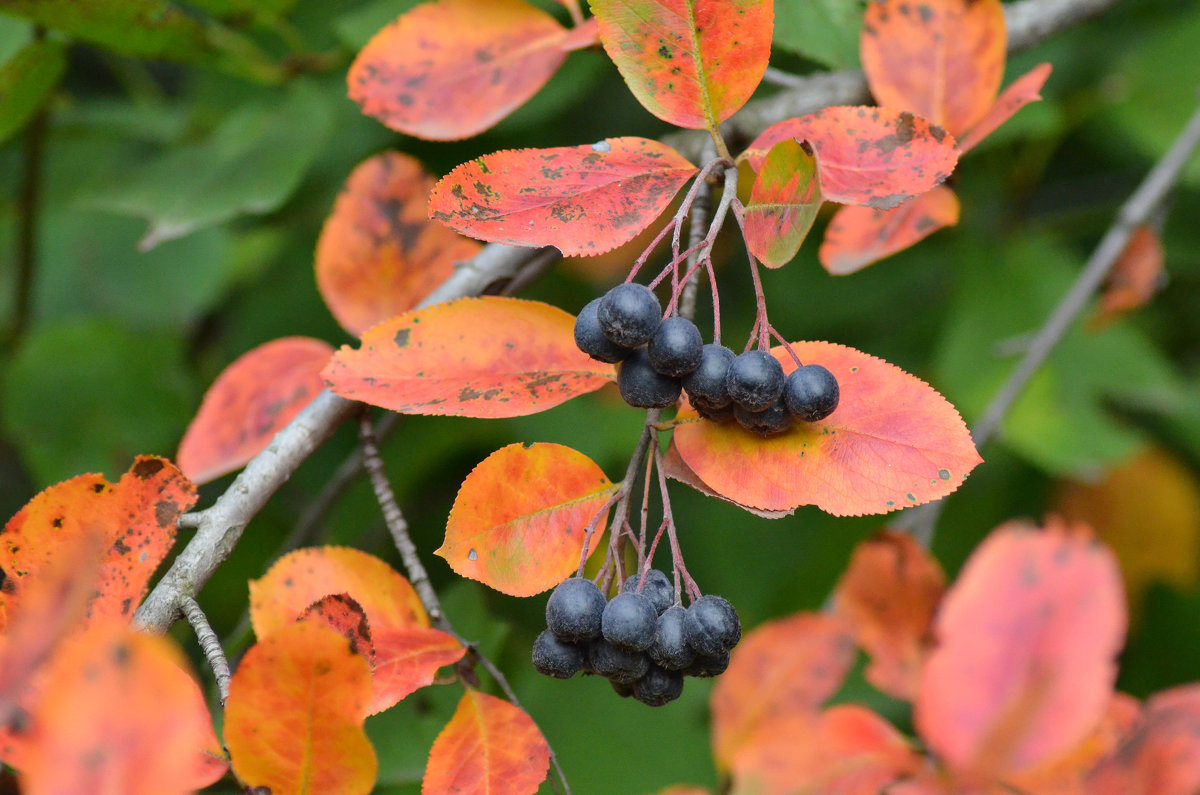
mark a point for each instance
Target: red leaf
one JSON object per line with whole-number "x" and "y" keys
{"x": 489, "y": 747}
{"x": 785, "y": 667}
{"x": 873, "y": 156}
{"x": 379, "y": 254}
{"x": 519, "y": 519}
{"x": 1021, "y": 92}
{"x": 675, "y": 468}
{"x": 1025, "y": 663}
{"x": 453, "y": 68}
{"x": 1160, "y": 754}
{"x": 892, "y": 443}
{"x": 407, "y": 660}
{"x": 342, "y": 612}
{"x": 1135, "y": 277}
{"x": 582, "y": 199}
{"x": 888, "y": 595}
{"x": 783, "y": 203}
{"x": 943, "y": 59}
{"x": 692, "y": 63}
{"x": 250, "y": 402}
{"x": 859, "y": 236}
{"x": 474, "y": 357}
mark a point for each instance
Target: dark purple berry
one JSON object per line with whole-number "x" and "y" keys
{"x": 629, "y": 621}
{"x": 676, "y": 348}
{"x": 723, "y": 414}
{"x": 557, "y": 658}
{"x": 574, "y": 610}
{"x": 644, "y": 387}
{"x": 658, "y": 687}
{"x": 622, "y": 689}
{"x": 811, "y": 393}
{"x": 772, "y": 420}
{"x": 590, "y": 340}
{"x": 755, "y": 380}
{"x": 670, "y": 648}
{"x": 707, "y": 382}
{"x": 712, "y": 626}
{"x": 658, "y": 588}
{"x": 629, "y": 314}
{"x": 619, "y": 665}
{"x": 703, "y": 667}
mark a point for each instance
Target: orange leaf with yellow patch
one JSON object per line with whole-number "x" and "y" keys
{"x": 783, "y": 204}
{"x": 859, "y": 236}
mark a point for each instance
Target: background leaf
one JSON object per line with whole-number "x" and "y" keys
{"x": 1160, "y": 754}
{"x": 26, "y": 80}
{"x": 860, "y": 236}
{"x": 783, "y": 203}
{"x": 839, "y": 23}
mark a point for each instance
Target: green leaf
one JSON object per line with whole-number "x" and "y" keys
{"x": 27, "y": 80}
{"x": 14, "y": 34}
{"x": 357, "y": 26}
{"x": 824, "y": 31}
{"x": 250, "y": 165}
{"x": 234, "y": 10}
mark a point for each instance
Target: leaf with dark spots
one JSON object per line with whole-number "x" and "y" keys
{"x": 783, "y": 204}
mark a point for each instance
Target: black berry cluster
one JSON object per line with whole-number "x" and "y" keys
{"x": 640, "y": 640}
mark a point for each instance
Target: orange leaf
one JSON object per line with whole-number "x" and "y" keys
{"x": 1135, "y": 277}
{"x": 582, "y": 199}
{"x": 343, "y": 613}
{"x": 249, "y": 403}
{"x": 785, "y": 667}
{"x": 583, "y": 35}
{"x": 1160, "y": 755}
{"x": 474, "y": 357}
{"x": 873, "y": 156}
{"x": 379, "y": 254}
{"x": 119, "y": 713}
{"x": 888, "y": 595}
{"x": 1020, "y": 92}
{"x": 294, "y": 717}
{"x": 859, "y": 236}
{"x": 943, "y": 59}
{"x": 406, "y": 660}
{"x": 489, "y": 747}
{"x": 893, "y": 442}
{"x": 519, "y": 519}
{"x": 1025, "y": 663}
{"x": 783, "y": 203}
{"x": 691, "y": 63}
{"x": 453, "y": 68}
{"x": 135, "y": 518}
{"x": 675, "y": 468}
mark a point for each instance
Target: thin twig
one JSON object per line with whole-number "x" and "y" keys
{"x": 27, "y": 215}
{"x": 209, "y": 644}
{"x": 697, "y": 223}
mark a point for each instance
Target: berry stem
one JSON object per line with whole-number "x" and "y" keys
{"x": 787, "y": 346}
{"x": 620, "y": 519}
{"x": 669, "y": 520}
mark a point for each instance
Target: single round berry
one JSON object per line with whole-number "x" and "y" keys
{"x": 574, "y": 610}
{"x": 629, "y": 314}
{"x": 707, "y": 382}
{"x": 658, "y": 588}
{"x": 629, "y": 621}
{"x": 676, "y": 348}
{"x": 619, "y": 665}
{"x": 772, "y": 420}
{"x": 712, "y": 626}
{"x": 658, "y": 687}
{"x": 557, "y": 658}
{"x": 723, "y": 414}
{"x": 811, "y": 393}
{"x": 755, "y": 380}
{"x": 703, "y": 667}
{"x": 644, "y": 387}
{"x": 590, "y": 340}
{"x": 670, "y": 648}
{"x": 622, "y": 689}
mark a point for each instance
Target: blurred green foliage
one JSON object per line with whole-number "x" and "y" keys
{"x": 233, "y": 148}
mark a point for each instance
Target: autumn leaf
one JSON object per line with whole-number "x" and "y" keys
{"x": 251, "y": 401}
{"x": 873, "y": 156}
{"x": 1160, "y": 753}
{"x": 488, "y": 747}
{"x": 1025, "y": 664}
{"x": 785, "y": 667}
{"x": 1133, "y": 279}
{"x": 893, "y": 442}
{"x": 519, "y": 519}
{"x": 674, "y": 467}
{"x": 783, "y": 204}
{"x": 1020, "y": 92}
{"x": 294, "y": 717}
{"x": 691, "y": 63}
{"x": 453, "y": 68}
{"x": 342, "y": 612}
{"x": 407, "y": 659}
{"x": 583, "y": 200}
{"x": 379, "y": 254}
{"x": 474, "y": 357}
{"x": 888, "y": 595}
{"x": 859, "y": 236}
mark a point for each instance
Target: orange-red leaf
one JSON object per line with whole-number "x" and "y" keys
{"x": 251, "y": 401}
{"x": 582, "y": 199}
{"x": 135, "y": 518}
{"x": 452, "y": 68}
{"x": 1027, "y": 640}
{"x": 294, "y": 717}
{"x": 941, "y": 59}
{"x": 1021, "y": 92}
{"x": 859, "y": 236}
{"x": 888, "y": 595}
{"x": 675, "y": 468}
{"x": 406, "y": 659}
{"x": 873, "y": 156}
{"x": 692, "y": 63}
{"x": 892, "y": 443}
{"x": 489, "y": 747}
{"x": 783, "y": 203}
{"x": 519, "y": 519}
{"x": 120, "y": 713}
{"x": 379, "y": 254}
{"x": 1135, "y": 277}
{"x": 474, "y": 357}
{"x": 1160, "y": 755}
{"x": 785, "y": 667}
{"x": 342, "y": 612}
